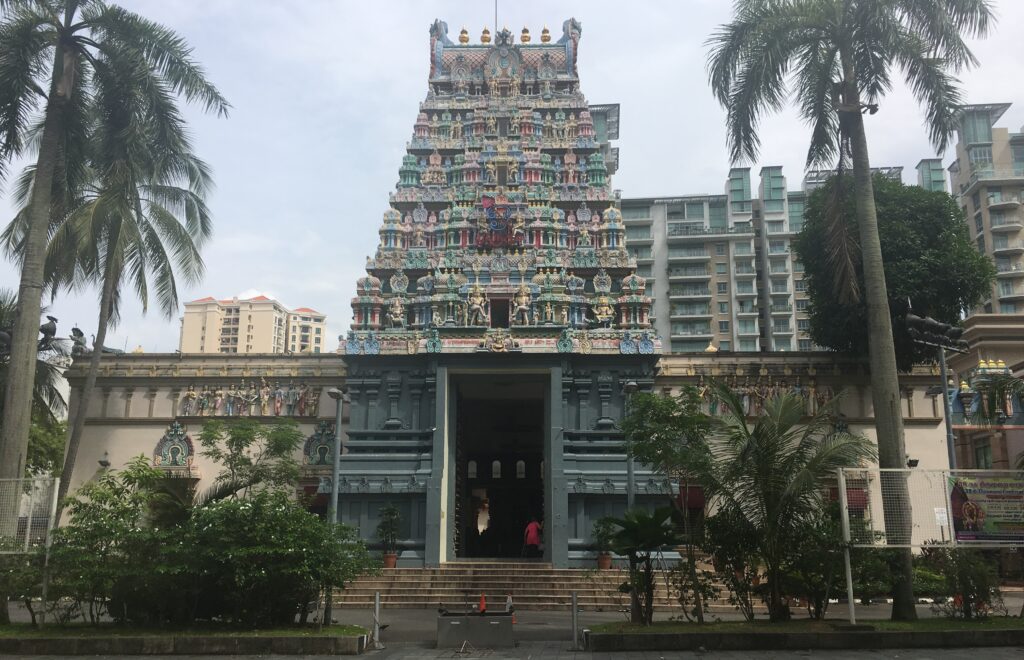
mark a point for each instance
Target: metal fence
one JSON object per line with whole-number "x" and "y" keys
{"x": 911, "y": 508}
{"x": 27, "y": 509}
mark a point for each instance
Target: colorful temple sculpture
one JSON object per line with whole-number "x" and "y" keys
{"x": 501, "y": 316}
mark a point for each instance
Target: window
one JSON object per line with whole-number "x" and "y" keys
{"x": 640, "y": 252}
{"x": 471, "y": 470}
{"x": 723, "y": 308}
{"x": 725, "y": 346}
{"x": 801, "y": 305}
{"x": 798, "y": 267}
{"x": 748, "y": 345}
{"x": 800, "y": 286}
{"x": 983, "y": 457}
{"x": 520, "y": 469}
{"x": 638, "y": 232}
{"x": 981, "y": 157}
{"x": 777, "y": 247}
{"x": 806, "y": 345}
{"x": 776, "y": 226}
{"x": 720, "y": 249}
{"x": 1018, "y": 156}
{"x": 783, "y": 344}
{"x": 633, "y": 212}
{"x": 981, "y": 243}
{"x": 979, "y": 225}
{"x": 720, "y": 268}
{"x": 695, "y": 210}
{"x": 723, "y": 287}
{"x": 803, "y": 325}
{"x": 723, "y": 326}
{"x": 1007, "y": 308}
{"x": 748, "y": 327}
{"x": 496, "y": 470}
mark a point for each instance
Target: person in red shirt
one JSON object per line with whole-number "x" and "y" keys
{"x": 531, "y": 538}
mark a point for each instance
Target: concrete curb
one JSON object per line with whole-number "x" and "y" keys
{"x": 741, "y": 641}
{"x": 170, "y": 645}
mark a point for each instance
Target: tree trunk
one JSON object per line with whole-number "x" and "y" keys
{"x": 16, "y": 414}
{"x": 82, "y": 409}
{"x": 885, "y": 393}
{"x": 635, "y": 614}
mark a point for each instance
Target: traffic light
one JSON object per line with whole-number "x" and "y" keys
{"x": 930, "y": 331}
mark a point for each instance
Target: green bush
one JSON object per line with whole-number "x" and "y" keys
{"x": 968, "y": 585}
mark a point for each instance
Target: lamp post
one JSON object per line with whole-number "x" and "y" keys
{"x": 630, "y": 388}
{"x": 339, "y": 398}
{"x": 944, "y": 337}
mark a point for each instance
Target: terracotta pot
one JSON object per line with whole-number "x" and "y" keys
{"x": 604, "y": 561}
{"x": 390, "y": 559}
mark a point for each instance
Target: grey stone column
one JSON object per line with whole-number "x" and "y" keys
{"x": 556, "y": 497}
{"x": 438, "y": 538}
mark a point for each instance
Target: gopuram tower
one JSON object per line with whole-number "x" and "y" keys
{"x": 500, "y": 326}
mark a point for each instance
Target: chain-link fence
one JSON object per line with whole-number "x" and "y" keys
{"x": 911, "y": 508}
{"x": 27, "y": 508}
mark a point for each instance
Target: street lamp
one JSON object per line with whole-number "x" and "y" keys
{"x": 339, "y": 398}
{"x": 630, "y": 389}
{"x": 942, "y": 336}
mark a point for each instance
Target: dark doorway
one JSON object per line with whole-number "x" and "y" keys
{"x": 499, "y": 485}
{"x": 499, "y": 312}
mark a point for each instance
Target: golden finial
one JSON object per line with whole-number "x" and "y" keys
{"x": 545, "y": 35}
{"x": 1001, "y": 364}
{"x": 464, "y": 36}
{"x": 964, "y": 387}
{"x": 711, "y": 347}
{"x": 485, "y": 36}
{"x": 525, "y": 36}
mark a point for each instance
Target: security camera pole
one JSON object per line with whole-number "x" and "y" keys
{"x": 929, "y": 332}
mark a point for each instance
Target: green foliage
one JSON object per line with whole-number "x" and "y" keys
{"x": 602, "y": 532}
{"x": 694, "y": 589}
{"x": 147, "y": 550}
{"x": 45, "y": 447}
{"x": 388, "y": 528}
{"x": 815, "y": 566}
{"x": 964, "y": 582}
{"x": 732, "y": 543}
{"x": 928, "y": 257}
{"x": 661, "y": 429}
{"x": 253, "y": 453}
{"x": 48, "y": 403}
{"x": 641, "y": 533}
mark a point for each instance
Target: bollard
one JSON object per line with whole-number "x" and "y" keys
{"x": 375, "y": 641}
{"x": 575, "y": 624}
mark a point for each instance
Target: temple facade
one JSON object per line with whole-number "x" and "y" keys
{"x": 496, "y": 338}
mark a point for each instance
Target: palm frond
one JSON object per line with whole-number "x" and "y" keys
{"x": 25, "y": 51}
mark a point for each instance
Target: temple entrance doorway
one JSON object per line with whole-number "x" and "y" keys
{"x": 499, "y": 454}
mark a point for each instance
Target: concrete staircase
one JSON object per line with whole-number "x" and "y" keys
{"x": 533, "y": 586}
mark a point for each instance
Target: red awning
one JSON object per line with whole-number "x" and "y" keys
{"x": 856, "y": 498}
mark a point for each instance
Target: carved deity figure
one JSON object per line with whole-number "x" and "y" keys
{"x": 203, "y": 402}
{"x": 229, "y": 400}
{"x": 313, "y": 401}
{"x": 518, "y": 227}
{"x": 218, "y": 400}
{"x": 188, "y": 405}
{"x": 603, "y": 312}
{"x": 265, "y": 396}
{"x": 303, "y": 399}
{"x": 492, "y": 125}
{"x": 521, "y": 310}
{"x": 396, "y": 313}
{"x": 251, "y": 399}
{"x": 476, "y": 313}
{"x": 291, "y": 398}
{"x": 278, "y": 399}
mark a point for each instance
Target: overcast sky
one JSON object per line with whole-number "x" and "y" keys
{"x": 325, "y": 93}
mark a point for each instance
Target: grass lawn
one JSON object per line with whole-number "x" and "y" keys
{"x": 114, "y": 630}
{"x": 806, "y": 625}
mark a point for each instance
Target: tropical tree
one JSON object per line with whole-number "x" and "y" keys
{"x": 48, "y": 404}
{"x": 641, "y": 533}
{"x": 929, "y": 260}
{"x": 838, "y": 57}
{"x": 65, "y": 68}
{"x": 774, "y": 474}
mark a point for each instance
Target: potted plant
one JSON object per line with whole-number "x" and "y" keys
{"x": 387, "y": 532}
{"x": 602, "y": 534}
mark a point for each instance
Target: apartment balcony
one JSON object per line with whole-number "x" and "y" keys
{"x": 685, "y": 275}
{"x": 745, "y": 293}
{"x": 689, "y": 256}
{"x": 1004, "y": 202}
{"x": 684, "y": 315}
{"x": 639, "y": 240}
{"x": 748, "y": 332}
{"x": 782, "y": 309}
{"x": 1011, "y": 247}
{"x": 1007, "y": 272}
{"x": 745, "y": 271}
{"x": 1012, "y": 175}
{"x": 780, "y": 291}
{"x": 747, "y": 311}
{"x": 1010, "y": 224}
{"x": 1015, "y": 293}
{"x": 689, "y": 294}
{"x": 692, "y": 333}
{"x": 683, "y": 233}
{"x": 782, "y": 330}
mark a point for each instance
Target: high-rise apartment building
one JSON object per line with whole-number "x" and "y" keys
{"x": 721, "y": 268}
{"x": 987, "y": 178}
{"x": 250, "y": 325}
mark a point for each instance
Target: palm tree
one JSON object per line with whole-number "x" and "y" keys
{"x": 48, "y": 404}
{"x": 837, "y": 57}
{"x": 641, "y": 533}
{"x": 775, "y": 473}
{"x": 59, "y": 54}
